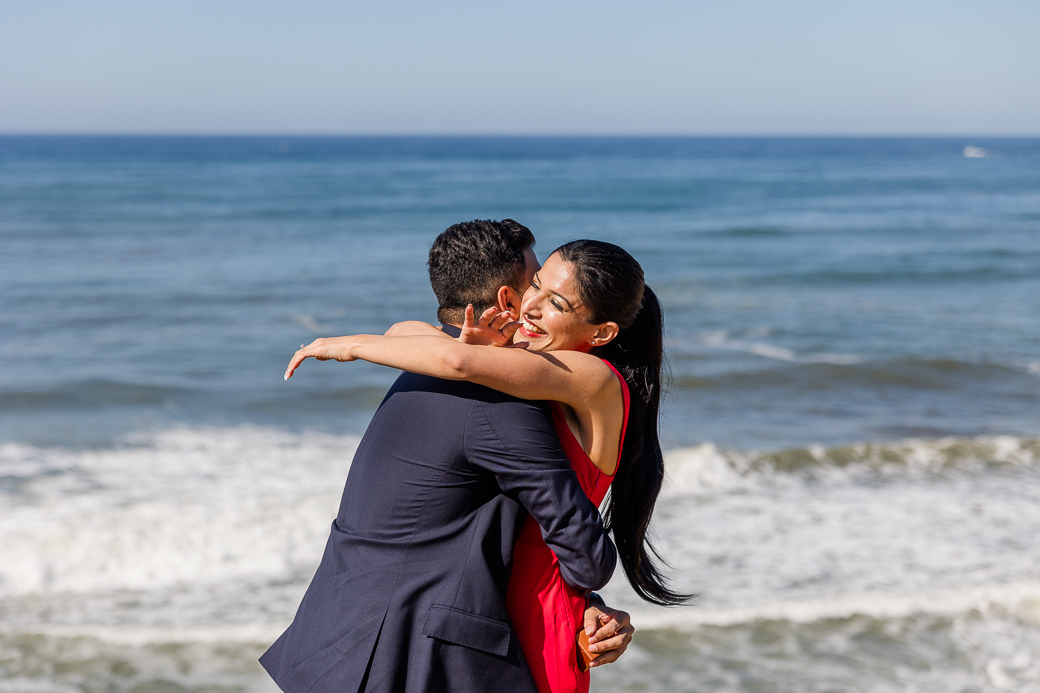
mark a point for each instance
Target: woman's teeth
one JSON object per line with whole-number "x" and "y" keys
{"x": 531, "y": 328}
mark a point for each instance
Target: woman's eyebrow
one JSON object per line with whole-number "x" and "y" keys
{"x": 562, "y": 298}
{"x": 536, "y": 280}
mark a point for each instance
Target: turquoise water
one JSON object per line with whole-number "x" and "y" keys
{"x": 851, "y": 429}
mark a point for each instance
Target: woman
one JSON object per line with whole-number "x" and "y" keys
{"x": 593, "y": 335}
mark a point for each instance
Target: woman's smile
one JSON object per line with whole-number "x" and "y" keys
{"x": 530, "y": 330}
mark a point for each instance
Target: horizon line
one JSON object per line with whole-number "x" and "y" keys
{"x": 516, "y": 135}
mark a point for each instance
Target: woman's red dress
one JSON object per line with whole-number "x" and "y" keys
{"x": 546, "y": 611}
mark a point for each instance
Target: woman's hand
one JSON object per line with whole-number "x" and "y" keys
{"x": 492, "y": 329}
{"x": 610, "y": 633}
{"x": 327, "y": 349}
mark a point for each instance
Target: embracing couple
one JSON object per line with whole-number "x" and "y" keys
{"x": 468, "y": 540}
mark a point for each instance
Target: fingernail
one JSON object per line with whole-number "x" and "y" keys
{"x": 590, "y": 629}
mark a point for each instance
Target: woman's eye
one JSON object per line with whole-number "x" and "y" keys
{"x": 556, "y": 304}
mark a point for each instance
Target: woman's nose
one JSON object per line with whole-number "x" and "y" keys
{"x": 532, "y": 307}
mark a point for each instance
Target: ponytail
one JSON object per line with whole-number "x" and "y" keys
{"x": 637, "y": 354}
{"x": 611, "y": 286}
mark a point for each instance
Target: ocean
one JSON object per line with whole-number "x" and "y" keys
{"x": 851, "y": 428}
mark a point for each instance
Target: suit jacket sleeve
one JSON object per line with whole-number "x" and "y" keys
{"x": 516, "y": 441}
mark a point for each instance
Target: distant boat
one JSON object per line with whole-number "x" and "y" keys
{"x": 974, "y": 152}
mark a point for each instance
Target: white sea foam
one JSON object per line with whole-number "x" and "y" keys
{"x": 703, "y": 469}
{"x": 206, "y": 537}
{"x": 192, "y": 506}
{"x": 132, "y": 636}
{"x": 945, "y": 640}
{"x": 779, "y": 531}
{"x": 28, "y": 685}
{"x": 182, "y": 506}
{"x": 309, "y": 322}
{"x": 750, "y": 344}
{"x": 707, "y": 469}
{"x": 196, "y": 544}
{"x": 56, "y": 662}
{"x": 1019, "y": 600}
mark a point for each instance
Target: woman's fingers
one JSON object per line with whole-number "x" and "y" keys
{"x": 322, "y": 349}
{"x": 608, "y": 622}
{"x": 493, "y": 328}
{"x": 592, "y": 623}
{"x": 294, "y": 363}
{"x": 510, "y": 328}
{"x": 613, "y": 638}
{"x": 617, "y": 647}
{"x": 488, "y": 317}
{"x": 611, "y": 633}
{"x": 469, "y": 322}
{"x": 298, "y": 358}
{"x": 491, "y": 318}
{"x": 619, "y": 640}
{"x": 301, "y": 355}
{"x": 498, "y": 320}
{"x": 611, "y": 623}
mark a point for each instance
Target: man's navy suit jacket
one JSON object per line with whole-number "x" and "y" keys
{"x": 410, "y": 592}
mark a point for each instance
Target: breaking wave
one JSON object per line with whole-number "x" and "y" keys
{"x": 185, "y": 505}
{"x": 707, "y": 468}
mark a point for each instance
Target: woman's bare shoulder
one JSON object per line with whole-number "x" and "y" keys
{"x": 414, "y": 328}
{"x": 595, "y": 376}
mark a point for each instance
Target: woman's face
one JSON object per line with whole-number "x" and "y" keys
{"x": 552, "y": 316}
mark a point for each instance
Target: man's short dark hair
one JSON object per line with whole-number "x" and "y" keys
{"x": 470, "y": 261}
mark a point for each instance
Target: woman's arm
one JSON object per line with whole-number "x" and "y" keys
{"x": 571, "y": 377}
{"x": 577, "y": 379}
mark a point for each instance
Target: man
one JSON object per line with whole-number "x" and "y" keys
{"x": 410, "y": 592}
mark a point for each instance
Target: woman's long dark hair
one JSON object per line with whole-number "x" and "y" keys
{"x": 611, "y": 287}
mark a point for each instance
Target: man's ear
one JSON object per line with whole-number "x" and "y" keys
{"x": 604, "y": 334}
{"x": 507, "y": 300}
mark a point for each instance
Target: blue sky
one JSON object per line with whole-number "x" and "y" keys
{"x": 737, "y": 67}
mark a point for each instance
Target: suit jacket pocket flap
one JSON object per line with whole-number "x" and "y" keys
{"x": 469, "y": 630}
